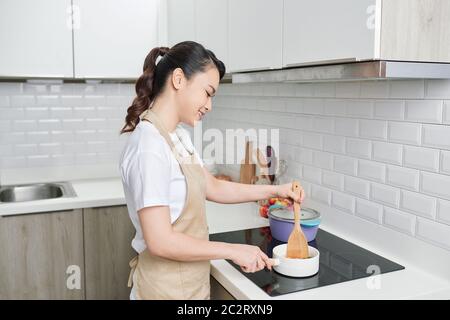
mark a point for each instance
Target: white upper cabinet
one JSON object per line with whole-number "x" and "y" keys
{"x": 329, "y": 30}
{"x": 212, "y": 27}
{"x": 113, "y": 37}
{"x": 180, "y": 21}
{"x": 255, "y": 34}
{"x": 35, "y": 38}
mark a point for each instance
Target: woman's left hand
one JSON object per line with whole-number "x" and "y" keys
{"x": 285, "y": 191}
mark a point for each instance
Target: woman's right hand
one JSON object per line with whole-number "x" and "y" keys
{"x": 250, "y": 258}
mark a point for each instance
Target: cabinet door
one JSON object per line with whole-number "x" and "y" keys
{"x": 255, "y": 34}
{"x": 39, "y": 253}
{"x": 113, "y": 37}
{"x": 36, "y": 38}
{"x": 212, "y": 26}
{"x": 180, "y": 21}
{"x": 326, "y": 30}
{"x": 107, "y": 238}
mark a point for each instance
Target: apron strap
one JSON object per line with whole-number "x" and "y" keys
{"x": 133, "y": 264}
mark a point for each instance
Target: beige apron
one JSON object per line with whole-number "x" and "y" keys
{"x": 159, "y": 278}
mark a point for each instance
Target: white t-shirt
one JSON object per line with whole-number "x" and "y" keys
{"x": 151, "y": 175}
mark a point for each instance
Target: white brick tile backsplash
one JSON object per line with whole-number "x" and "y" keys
{"x": 333, "y": 107}
{"x": 436, "y": 136}
{"x": 360, "y": 108}
{"x": 445, "y": 162}
{"x": 38, "y": 137}
{"x": 46, "y": 100}
{"x": 435, "y": 184}
{"x": 374, "y": 89}
{"x": 313, "y": 106}
{"x": 403, "y": 177}
{"x": 38, "y": 160}
{"x": 359, "y": 148}
{"x": 4, "y": 101}
{"x": 345, "y": 165}
{"x": 371, "y": 170}
{"x": 418, "y": 204}
{"x": 424, "y": 111}
{"x": 407, "y": 89}
{"x": 437, "y": 89}
{"x": 343, "y": 201}
{"x": 357, "y": 186}
{"x": 421, "y": 158}
{"x": 323, "y": 124}
{"x": 335, "y": 144}
{"x": 304, "y": 122}
{"x": 349, "y": 89}
{"x": 321, "y": 194}
{"x": 446, "y": 115}
{"x": 304, "y": 156}
{"x": 400, "y": 221}
{"x": 312, "y": 140}
{"x": 409, "y": 133}
{"x": 13, "y": 162}
{"x": 323, "y": 160}
{"x": 294, "y": 105}
{"x": 22, "y": 101}
{"x": 325, "y": 89}
{"x": 332, "y": 179}
{"x": 387, "y": 152}
{"x": 385, "y": 194}
{"x": 369, "y": 211}
{"x": 389, "y": 109}
{"x": 25, "y": 149}
{"x": 443, "y": 211}
{"x": 431, "y": 231}
{"x": 312, "y": 174}
{"x": 304, "y": 90}
{"x": 35, "y": 113}
{"x": 25, "y": 125}
{"x": 346, "y": 127}
{"x": 373, "y": 129}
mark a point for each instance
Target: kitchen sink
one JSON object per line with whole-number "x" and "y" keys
{"x": 37, "y": 191}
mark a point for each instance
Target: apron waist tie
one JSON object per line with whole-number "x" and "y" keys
{"x": 133, "y": 264}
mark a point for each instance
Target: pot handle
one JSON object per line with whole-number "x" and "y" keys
{"x": 275, "y": 262}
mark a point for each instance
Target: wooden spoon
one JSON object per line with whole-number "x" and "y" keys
{"x": 297, "y": 246}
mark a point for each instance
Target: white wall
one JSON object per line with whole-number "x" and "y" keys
{"x": 376, "y": 150}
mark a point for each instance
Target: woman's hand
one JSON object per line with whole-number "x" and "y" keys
{"x": 285, "y": 191}
{"x": 250, "y": 258}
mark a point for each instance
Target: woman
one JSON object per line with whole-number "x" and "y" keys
{"x": 166, "y": 184}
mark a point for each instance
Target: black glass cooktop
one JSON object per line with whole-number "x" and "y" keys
{"x": 340, "y": 261}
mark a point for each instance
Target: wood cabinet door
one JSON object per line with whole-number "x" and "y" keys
{"x": 108, "y": 232}
{"x": 41, "y": 256}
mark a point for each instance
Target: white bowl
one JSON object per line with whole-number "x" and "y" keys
{"x": 296, "y": 267}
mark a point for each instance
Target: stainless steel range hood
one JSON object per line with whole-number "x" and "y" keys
{"x": 367, "y": 70}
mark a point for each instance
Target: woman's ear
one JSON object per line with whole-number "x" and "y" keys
{"x": 178, "y": 78}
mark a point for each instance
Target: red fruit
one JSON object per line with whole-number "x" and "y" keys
{"x": 272, "y": 201}
{"x": 263, "y": 212}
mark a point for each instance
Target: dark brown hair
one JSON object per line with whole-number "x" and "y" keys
{"x": 190, "y": 56}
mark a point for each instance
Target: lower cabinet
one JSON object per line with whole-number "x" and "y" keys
{"x": 74, "y": 254}
{"x": 108, "y": 232}
{"x": 218, "y": 292}
{"x": 41, "y": 256}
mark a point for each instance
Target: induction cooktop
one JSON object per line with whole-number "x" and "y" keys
{"x": 340, "y": 261}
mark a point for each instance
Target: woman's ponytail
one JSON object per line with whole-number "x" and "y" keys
{"x": 145, "y": 90}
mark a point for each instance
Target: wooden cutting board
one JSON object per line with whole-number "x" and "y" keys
{"x": 248, "y": 168}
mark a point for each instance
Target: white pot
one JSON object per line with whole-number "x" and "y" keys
{"x": 295, "y": 267}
